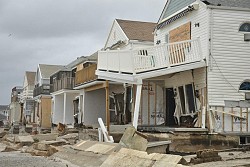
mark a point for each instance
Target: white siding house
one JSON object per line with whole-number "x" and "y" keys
{"x": 200, "y": 62}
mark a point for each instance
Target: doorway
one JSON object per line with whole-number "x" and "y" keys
{"x": 170, "y": 107}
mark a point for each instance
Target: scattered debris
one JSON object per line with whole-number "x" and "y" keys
{"x": 41, "y": 149}
{"x": 208, "y": 155}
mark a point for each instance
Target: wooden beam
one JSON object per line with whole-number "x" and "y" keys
{"x": 95, "y": 87}
{"x": 107, "y": 106}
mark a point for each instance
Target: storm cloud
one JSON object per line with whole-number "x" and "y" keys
{"x": 36, "y": 32}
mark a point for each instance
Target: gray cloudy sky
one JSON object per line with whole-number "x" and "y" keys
{"x": 36, "y": 32}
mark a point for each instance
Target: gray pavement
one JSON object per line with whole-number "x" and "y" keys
{"x": 17, "y": 159}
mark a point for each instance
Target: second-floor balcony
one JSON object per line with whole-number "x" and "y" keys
{"x": 149, "y": 59}
{"x": 86, "y": 74}
{"x": 42, "y": 90}
{"x": 63, "y": 83}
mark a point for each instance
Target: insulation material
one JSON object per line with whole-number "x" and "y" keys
{"x": 230, "y": 119}
{"x": 152, "y": 112}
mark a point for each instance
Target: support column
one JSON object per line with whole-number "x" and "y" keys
{"x": 107, "y": 105}
{"x": 81, "y": 103}
{"x": 64, "y": 107}
{"x": 137, "y": 105}
{"x": 54, "y": 108}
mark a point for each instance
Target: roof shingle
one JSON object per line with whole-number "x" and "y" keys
{"x": 48, "y": 70}
{"x": 137, "y": 30}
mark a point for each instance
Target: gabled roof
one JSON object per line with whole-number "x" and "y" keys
{"x": 47, "y": 70}
{"x": 229, "y": 3}
{"x": 30, "y": 77}
{"x": 137, "y": 30}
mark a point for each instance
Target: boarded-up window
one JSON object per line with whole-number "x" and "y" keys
{"x": 181, "y": 33}
{"x": 178, "y": 51}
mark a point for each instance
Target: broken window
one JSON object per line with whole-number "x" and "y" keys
{"x": 186, "y": 97}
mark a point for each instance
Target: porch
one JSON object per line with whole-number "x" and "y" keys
{"x": 167, "y": 58}
{"x": 63, "y": 107}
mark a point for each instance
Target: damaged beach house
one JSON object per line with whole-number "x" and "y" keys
{"x": 77, "y": 89}
{"x": 195, "y": 76}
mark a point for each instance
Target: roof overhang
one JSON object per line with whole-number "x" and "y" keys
{"x": 177, "y": 15}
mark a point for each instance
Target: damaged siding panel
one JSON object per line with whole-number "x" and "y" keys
{"x": 199, "y": 78}
{"x": 202, "y": 31}
{"x": 230, "y": 57}
{"x": 179, "y": 79}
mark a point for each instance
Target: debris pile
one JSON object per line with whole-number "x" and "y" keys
{"x": 208, "y": 155}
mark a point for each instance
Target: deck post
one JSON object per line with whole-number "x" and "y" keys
{"x": 137, "y": 104}
{"x": 64, "y": 107}
{"x": 107, "y": 106}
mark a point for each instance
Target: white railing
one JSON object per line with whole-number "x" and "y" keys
{"x": 157, "y": 57}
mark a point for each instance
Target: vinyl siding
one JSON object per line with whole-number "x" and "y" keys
{"x": 230, "y": 56}
{"x": 199, "y": 78}
{"x": 176, "y": 5}
{"x": 119, "y": 35}
{"x": 197, "y": 16}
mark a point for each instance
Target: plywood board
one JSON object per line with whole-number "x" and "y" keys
{"x": 181, "y": 33}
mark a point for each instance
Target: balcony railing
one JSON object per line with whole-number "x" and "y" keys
{"x": 42, "y": 90}
{"x": 64, "y": 83}
{"x": 152, "y": 58}
{"x": 86, "y": 74}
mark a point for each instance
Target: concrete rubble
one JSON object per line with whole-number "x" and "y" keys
{"x": 128, "y": 157}
{"x": 134, "y": 140}
{"x": 134, "y": 149}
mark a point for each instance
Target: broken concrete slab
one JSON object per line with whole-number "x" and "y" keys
{"x": 2, "y": 147}
{"x": 71, "y": 138}
{"x": 134, "y": 139}
{"x": 55, "y": 143}
{"x": 41, "y": 146}
{"x": 128, "y": 157}
{"x": 25, "y": 140}
{"x": 158, "y": 147}
{"x": 96, "y": 147}
{"x": 48, "y": 137}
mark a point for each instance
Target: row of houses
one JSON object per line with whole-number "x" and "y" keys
{"x": 188, "y": 71}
